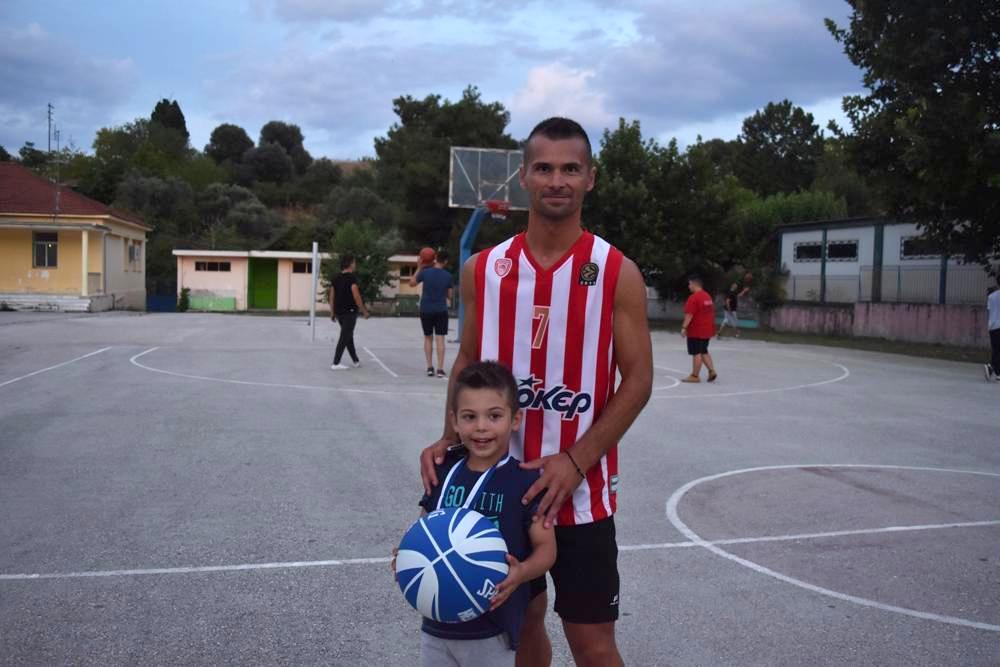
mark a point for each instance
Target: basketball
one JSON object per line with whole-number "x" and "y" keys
{"x": 427, "y": 255}
{"x": 449, "y": 564}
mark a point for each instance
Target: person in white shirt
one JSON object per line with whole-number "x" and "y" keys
{"x": 993, "y": 309}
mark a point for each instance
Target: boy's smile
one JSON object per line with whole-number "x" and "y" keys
{"x": 484, "y": 421}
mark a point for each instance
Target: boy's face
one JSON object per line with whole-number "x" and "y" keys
{"x": 484, "y": 421}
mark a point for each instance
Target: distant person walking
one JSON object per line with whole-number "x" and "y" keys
{"x": 729, "y": 311}
{"x": 345, "y": 304}
{"x": 993, "y": 309}
{"x": 698, "y": 328}
{"x": 434, "y": 299}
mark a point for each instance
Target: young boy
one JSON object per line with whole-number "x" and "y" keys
{"x": 484, "y": 412}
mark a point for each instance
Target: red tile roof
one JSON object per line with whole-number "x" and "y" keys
{"x": 25, "y": 192}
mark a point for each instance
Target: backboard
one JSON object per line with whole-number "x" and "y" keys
{"x": 479, "y": 174}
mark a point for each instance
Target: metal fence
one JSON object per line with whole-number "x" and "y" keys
{"x": 964, "y": 285}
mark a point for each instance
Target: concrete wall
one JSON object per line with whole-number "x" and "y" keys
{"x": 19, "y": 277}
{"x": 923, "y": 323}
{"x": 229, "y": 284}
{"x": 827, "y": 319}
{"x": 964, "y": 326}
{"x": 294, "y": 288}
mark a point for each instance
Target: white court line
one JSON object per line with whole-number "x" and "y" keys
{"x": 674, "y": 517}
{"x": 278, "y": 385}
{"x": 103, "y": 349}
{"x": 367, "y": 561}
{"x": 846, "y": 373}
{"x": 379, "y": 362}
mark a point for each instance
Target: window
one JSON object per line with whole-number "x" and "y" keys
{"x": 842, "y": 251}
{"x": 46, "y": 250}
{"x": 808, "y": 252}
{"x": 916, "y": 247}
{"x": 211, "y": 266}
{"x": 406, "y": 271}
{"x": 302, "y": 267}
{"x": 133, "y": 255}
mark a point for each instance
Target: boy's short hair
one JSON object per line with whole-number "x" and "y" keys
{"x": 557, "y": 128}
{"x": 486, "y": 375}
{"x": 696, "y": 279}
{"x": 346, "y": 261}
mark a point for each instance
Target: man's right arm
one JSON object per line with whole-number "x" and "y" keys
{"x": 435, "y": 452}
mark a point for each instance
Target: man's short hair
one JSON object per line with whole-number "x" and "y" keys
{"x": 346, "y": 261}
{"x": 696, "y": 279}
{"x": 557, "y": 128}
{"x": 487, "y": 375}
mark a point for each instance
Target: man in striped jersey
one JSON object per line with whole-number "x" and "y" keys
{"x": 566, "y": 312}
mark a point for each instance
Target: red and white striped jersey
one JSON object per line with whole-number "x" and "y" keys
{"x": 552, "y": 327}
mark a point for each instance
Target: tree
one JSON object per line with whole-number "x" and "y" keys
{"x": 778, "y": 149}
{"x": 4, "y": 155}
{"x": 114, "y": 149}
{"x": 413, "y": 158}
{"x": 214, "y": 206}
{"x": 168, "y": 114}
{"x": 290, "y": 138}
{"x": 269, "y": 162}
{"x": 928, "y": 132}
{"x": 31, "y": 157}
{"x": 356, "y": 204}
{"x": 228, "y": 142}
{"x": 168, "y": 130}
{"x": 364, "y": 242}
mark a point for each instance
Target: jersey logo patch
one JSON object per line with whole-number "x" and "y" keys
{"x": 502, "y": 266}
{"x": 589, "y": 273}
{"x": 532, "y": 396}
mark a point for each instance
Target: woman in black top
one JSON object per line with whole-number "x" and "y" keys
{"x": 345, "y": 303}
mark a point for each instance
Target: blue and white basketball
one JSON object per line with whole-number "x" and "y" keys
{"x": 449, "y": 564}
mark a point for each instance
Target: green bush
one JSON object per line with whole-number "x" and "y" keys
{"x": 184, "y": 302}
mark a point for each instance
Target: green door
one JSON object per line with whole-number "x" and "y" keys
{"x": 263, "y": 284}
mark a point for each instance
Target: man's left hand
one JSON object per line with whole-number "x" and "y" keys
{"x": 559, "y": 479}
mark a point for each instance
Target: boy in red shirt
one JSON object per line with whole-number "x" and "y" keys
{"x": 699, "y": 327}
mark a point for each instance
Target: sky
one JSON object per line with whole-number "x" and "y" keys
{"x": 333, "y": 67}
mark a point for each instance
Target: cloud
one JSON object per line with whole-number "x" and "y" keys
{"x": 349, "y": 11}
{"x": 341, "y": 95}
{"x": 558, "y": 90}
{"x": 37, "y": 68}
{"x": 692, "y": 63}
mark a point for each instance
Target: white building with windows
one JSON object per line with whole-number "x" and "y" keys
{"x": 873, "y": 260}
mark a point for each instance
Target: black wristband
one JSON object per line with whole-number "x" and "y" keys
{"x": 566, "y": 452}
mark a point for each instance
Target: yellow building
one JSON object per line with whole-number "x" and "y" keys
{"x": 60, "y": 250}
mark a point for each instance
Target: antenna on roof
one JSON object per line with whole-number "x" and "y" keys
{"x": 51, "y": 109}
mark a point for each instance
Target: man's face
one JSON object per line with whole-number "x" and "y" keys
{"x": 558, "y": 176}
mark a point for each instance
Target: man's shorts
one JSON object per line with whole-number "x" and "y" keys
{"x": 697, "y": 346}
{"x": 585, "y": 574}
{"x": 434, "y": 323}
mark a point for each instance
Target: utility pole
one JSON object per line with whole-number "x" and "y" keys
{"x": 51, "y": 109}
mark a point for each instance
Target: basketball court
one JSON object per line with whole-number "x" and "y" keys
{"x": 202, "y": 489}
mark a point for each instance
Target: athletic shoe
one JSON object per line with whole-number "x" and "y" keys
{"x": 712, "y": 376}
{"x": 990, "y": 375}
{"x": 692, "y": 379}
{"x": 338, "y": 367}
{"x": 430, "y": 371}
{"x": 441, "y": 373}
{"x": 355, "y": 364}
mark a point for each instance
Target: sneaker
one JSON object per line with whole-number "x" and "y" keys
{"x": 691, "y": 378}
{"x": 441, "y": 373}
{"x": 430, "y": 371}
{"x": 990, "y": 375}
{"x": 355, "y": 364}
{"x": 338, "y": 367}
{"x": 712, "y": 376}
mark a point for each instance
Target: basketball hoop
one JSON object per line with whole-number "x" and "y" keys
{"x": 498, "y": 209}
